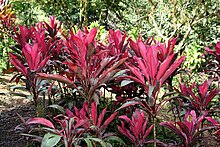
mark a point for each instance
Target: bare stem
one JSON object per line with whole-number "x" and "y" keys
{"x": 155, "y": 135}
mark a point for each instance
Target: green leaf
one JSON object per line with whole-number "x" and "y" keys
{"x": 58, "y": 107}
{"x": 126, "y": 82}
{"x": 103, "y": 144}
{"x": 88, "y": 142}
{"x": 49, "y": 130}
{"x": 127, "y": 104}
{"x": 114, "y": 138}
{"x": 18, "y": 87}
{"x": 50, "y": 140}
{"x": 120, "y": 73}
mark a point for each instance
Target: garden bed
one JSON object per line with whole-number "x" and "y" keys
{"x": 10, "y": 105}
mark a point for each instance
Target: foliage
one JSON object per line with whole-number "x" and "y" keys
{"x": 7, "y": 22}
{"x": 138, "y": 131}
{"x": 89, "y": 64}
{"x": 32, "y": 52}
{"x": 75, "y": 66}
{"x": 213, "y": 66}
{"x": 76, "y": 128}
{"x": 191, "y": 128}
{"x": 202, "y": 100}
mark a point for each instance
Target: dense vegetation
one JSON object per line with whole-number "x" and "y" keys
{"x": 98, "y": 79}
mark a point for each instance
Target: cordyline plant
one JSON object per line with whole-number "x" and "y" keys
{"x": 152, "y": 65}
{"x": 90, "y": 65}
{"x": 203, "y": 98}
{"x": 78, "y": 127}
{"x": 32, "y": 52}
{"x": 212, "y": 66}
{"x": 215, "y": 52}
{"x": 7, "y": 18}
{"x": 138, "y": 130}
{"x": 191, "y": 129}
{"x": 98, "y": 123}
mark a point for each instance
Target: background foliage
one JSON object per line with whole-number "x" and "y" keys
{"x": 196, "y": 23}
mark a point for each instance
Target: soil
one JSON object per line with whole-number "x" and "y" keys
{"x": 13, "y": 102}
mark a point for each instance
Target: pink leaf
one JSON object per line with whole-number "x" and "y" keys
{"x": 134, "y": 47}
{"x": 143, "y": 50}
{"x": 171, "y": 69}
{"x": 69, "y": 113}
{"x": 163, "y": 67}
{"x": 211, "y": 95}
{"x": 101, "y": 116}
{"x": 203, "y": 89}
{"x": 91, "y": 36}
{"x": 41, "y": 121}
{"x": 142, "y": 66}
{"x": 42, "y": 64}
{"x": 171, "y": 126}
{"x": 109, "y": 119}
{"x": 55, "y": 77}
{"x": 152, "y": 63}
{"x": 17, "y": 64}
{"x": 213, "y": 121}
{"x": 126, "y": 132}
{"x": 128, "y": 120}
{"x": 94, "y": 113}
{"x": 148, "y": 131}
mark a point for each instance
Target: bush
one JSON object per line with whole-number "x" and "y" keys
{"x": 75, "y": 67}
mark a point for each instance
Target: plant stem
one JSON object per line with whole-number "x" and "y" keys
{"x": 155, "y": 135}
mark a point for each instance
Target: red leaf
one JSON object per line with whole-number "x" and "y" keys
{"x": 42, "y": 64}
{"x": 69, "y": 113}
{"x": 148, "y": 131}
{"x": 211, "y": 95}
{"x": 41, "y": 121}
{"x": 213, "y": 121}
{"x": 134, "y": 47}
{"x": 126, "y": 132}
{"x": 18, "y": 65}
{"x": 145, "y": 124}
{"x": 143, "y": 50}
{"x": 203, "y": 89}
{"x": 103, "y": 65}
{"x": 136, "y": 71}
{"x": 81, "y": 122}
{"x": 190, "y": 119}
{"x": 50, "y": 88}
{"x": 90, "y": 37}
{"x": 143, "y": 67}
{"x": 170, "y": 47}
{"x": 171, "y": 69}
{"x": 184, "y": 129}
{"x": 171, "y": 126}
{"x": 152, "y": 63}
{"x": 124, "y": 117}
{"x": 101, "y": 116}
{"x": 30, "y": 55}
{"x": 55, "y": 77}
{"x": 94, "y": 113}
{"x": 109, "y": 119}
{"x": 163, "y": 67}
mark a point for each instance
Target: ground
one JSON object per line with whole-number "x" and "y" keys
{"x": 11, "y": 104}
